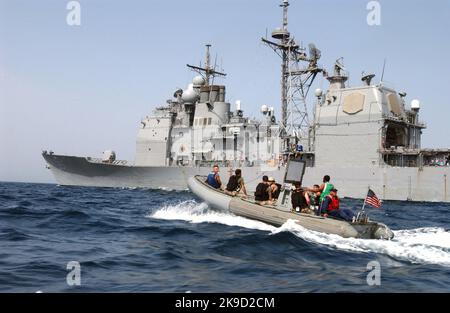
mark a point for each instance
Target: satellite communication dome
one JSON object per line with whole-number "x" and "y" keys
{"x": 318, "y": 92}
{"x": 264, "y": 109}
{"x": 189, "y": 94}
{"x": 415, "y": 104}
{"x": 198, "y": 81}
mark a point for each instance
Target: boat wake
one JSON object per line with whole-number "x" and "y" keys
{"x": 421, "y": 245}
{"x": 194, "y": 212}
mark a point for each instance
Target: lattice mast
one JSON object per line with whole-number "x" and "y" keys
{"x": 296, "y": 79}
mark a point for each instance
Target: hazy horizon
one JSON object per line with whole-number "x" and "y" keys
{"x": 79, "y": 90}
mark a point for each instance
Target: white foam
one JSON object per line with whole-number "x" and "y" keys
{"x": 421, "y": 245}
{"x": 194, "y": 212}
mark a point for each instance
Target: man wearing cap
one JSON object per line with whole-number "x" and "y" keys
{"x": 274, "y": 188}
{"x": 330, "y": 206}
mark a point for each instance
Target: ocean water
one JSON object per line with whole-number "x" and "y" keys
{"x": 138, "y": 240}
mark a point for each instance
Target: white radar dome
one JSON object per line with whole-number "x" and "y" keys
{"x": 318, "y": 92}
{"x": 198, "y": 81}
{"x": 189, "y": 95}
{"x": 415, "y": 104}
{"x": 264, "y": 109}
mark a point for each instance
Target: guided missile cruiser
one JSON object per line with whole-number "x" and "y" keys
{"x": 362, "y": 136}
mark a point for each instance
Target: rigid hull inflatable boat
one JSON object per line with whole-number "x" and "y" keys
{"x": 280, "y": 213}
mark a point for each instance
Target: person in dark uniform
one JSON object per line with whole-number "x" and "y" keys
{"x": 263, "y": 193}
{"x": 236, "y": 184}
{"x": 299, "y": 199}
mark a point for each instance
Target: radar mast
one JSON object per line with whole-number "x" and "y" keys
{"x": 207, "y": 71}
{"x": 296, "y": 79}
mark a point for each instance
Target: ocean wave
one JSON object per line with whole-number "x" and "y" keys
{"x": 11, "y": 234}
{"x": 421, "y": 245}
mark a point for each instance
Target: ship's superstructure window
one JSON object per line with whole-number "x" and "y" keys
{"x": 395, "y": 136}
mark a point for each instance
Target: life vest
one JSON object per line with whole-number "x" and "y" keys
{"x": 261, "y": 193}
{"x": 326, "y": 191}
{"x": 334, "y": 204}
{"x": 233, "y": 183}
{"x": 211, "y": 180}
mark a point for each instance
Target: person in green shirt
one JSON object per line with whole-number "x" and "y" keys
{"x": 324, "y": 189}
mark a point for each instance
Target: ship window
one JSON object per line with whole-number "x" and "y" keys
{"x": 209, "y": 121}
{"x": 205, "y": 121}
{"x": 395, "y": 136}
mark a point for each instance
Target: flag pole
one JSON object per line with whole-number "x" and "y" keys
{"x": 365, "y": 198}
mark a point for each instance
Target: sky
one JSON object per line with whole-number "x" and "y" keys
{"x": 80, "y": 90}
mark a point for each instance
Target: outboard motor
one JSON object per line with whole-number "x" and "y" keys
{"x": 383, "y": 232}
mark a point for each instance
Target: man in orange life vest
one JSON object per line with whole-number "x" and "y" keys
{"x": 330, "y": 206}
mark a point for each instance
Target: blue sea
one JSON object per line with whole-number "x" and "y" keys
{"x": 140, "y": 240}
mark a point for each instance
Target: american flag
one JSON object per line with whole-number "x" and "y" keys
{"x": 372, "y": 199}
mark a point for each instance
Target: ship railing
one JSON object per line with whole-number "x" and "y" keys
{"x": 403, "y": 157}
{"x": 98, "y": 160}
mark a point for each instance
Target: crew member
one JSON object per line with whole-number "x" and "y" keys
{"x": 263, "y": 193}
{"x": 330, "y": 206}
{"x": 314, "y": 197}
{"x": 236, "y": 184}
{"x": 213, "y": 178}
{"x": 275, "y": 188}
{"x": 300, "y": 199}
{"x": 324, "y": 189}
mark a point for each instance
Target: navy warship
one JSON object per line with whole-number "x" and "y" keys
{"x": 362, "y": 136}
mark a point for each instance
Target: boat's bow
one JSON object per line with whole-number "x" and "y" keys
{"x": 213, "y": 197}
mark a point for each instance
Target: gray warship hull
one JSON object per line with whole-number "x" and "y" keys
{"x": 390, "y": 183}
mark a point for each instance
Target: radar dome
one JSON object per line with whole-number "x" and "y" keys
{"x": 415, "y": 104}
{"x": 318, "y": 92}
{"x": 198, "y": 81}
{"x": 264, "y": 109}
{"x": 189, "y": 95}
